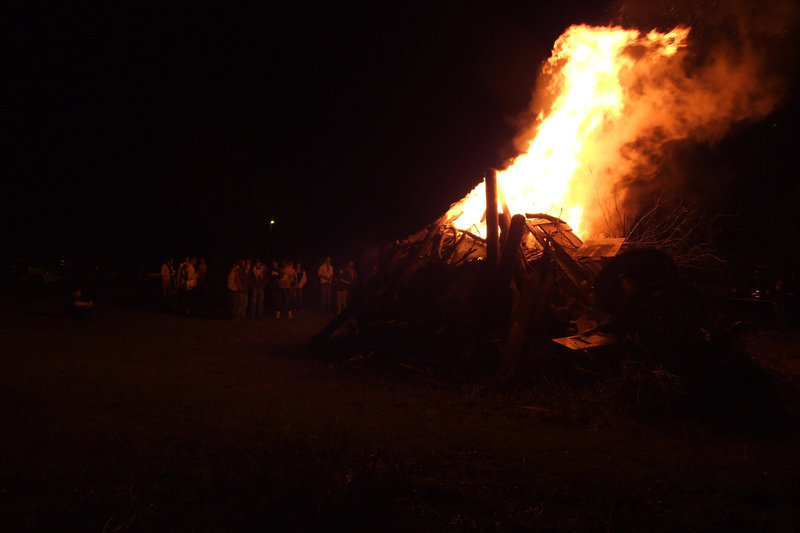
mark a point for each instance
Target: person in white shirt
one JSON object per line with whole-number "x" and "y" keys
{"x": 325, "y": 274}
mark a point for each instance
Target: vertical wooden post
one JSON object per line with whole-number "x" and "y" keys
{"x": 505, "y": 218}
{"x": 492, "y": 236}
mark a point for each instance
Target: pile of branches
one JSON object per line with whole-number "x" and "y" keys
{"x": 680, "y": 230}
{"x": 439, "y": 308}
{"x": 438, "y": 297}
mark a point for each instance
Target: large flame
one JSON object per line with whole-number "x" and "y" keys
{"x": 617, "y": 97}
{"x": 592, "y": 72}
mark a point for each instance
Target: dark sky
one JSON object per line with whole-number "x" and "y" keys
{"x": 139, "y": 131}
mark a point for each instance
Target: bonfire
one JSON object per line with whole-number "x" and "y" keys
{"x": 535, "y": 246}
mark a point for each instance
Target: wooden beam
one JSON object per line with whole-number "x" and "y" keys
{"x": 492, "y": 235}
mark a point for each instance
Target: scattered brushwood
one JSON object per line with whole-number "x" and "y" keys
{"x": 682, "y": 231}
{"x": 644, "y": 388}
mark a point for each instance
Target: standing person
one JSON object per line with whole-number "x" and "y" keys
{"x": 274, "y": 291}
{"x": 180, "y": 284}
{"x": 187, "y": 276}
{"x": 344, "y": 286}
{"x": 167, "y": 269}
{"x": 202, "y": 270}
{"x": 286, "y": 283}
{"x": 302, "y": 280}
{"x": 235, "y": 286}
{"x": 325, "y": 275}
{"x": 259, "y": 278}
{"x": 246, "y": 282}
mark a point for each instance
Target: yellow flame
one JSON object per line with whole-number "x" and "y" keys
{"x": 588, "y": 86}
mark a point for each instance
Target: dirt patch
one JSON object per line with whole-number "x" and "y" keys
{"x": 140, "y": 421}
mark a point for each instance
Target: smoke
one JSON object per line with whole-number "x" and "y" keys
{"x": 733, "y": 69}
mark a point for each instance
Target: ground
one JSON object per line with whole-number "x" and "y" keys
{"x": 145, "y": 421}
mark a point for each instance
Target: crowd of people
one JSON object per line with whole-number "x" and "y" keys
{"x": 278, "y": 290}
{"x": 182, "y": 286}
{"x": 257, "y": 288}
{"x": 343, "y": 280}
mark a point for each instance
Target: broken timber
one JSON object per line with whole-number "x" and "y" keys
{"x": 529, "y": 261}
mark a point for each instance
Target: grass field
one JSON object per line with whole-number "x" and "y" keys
{"x": 143, "y": 421}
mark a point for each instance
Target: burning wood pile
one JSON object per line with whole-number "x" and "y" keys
{"x": 527, "y": 256}
{"x": 531, "y": 278}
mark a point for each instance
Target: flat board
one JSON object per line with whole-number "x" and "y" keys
{"x": 583, "y": 342}
{"x": 604, "y": 247}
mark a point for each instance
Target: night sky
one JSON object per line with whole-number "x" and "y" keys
{"x": 137, "y": 132}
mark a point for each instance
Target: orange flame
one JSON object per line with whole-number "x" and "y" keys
{"x": 592, "y": 72}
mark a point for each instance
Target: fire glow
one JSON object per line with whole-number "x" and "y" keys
{"x": 593, "y": 74}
